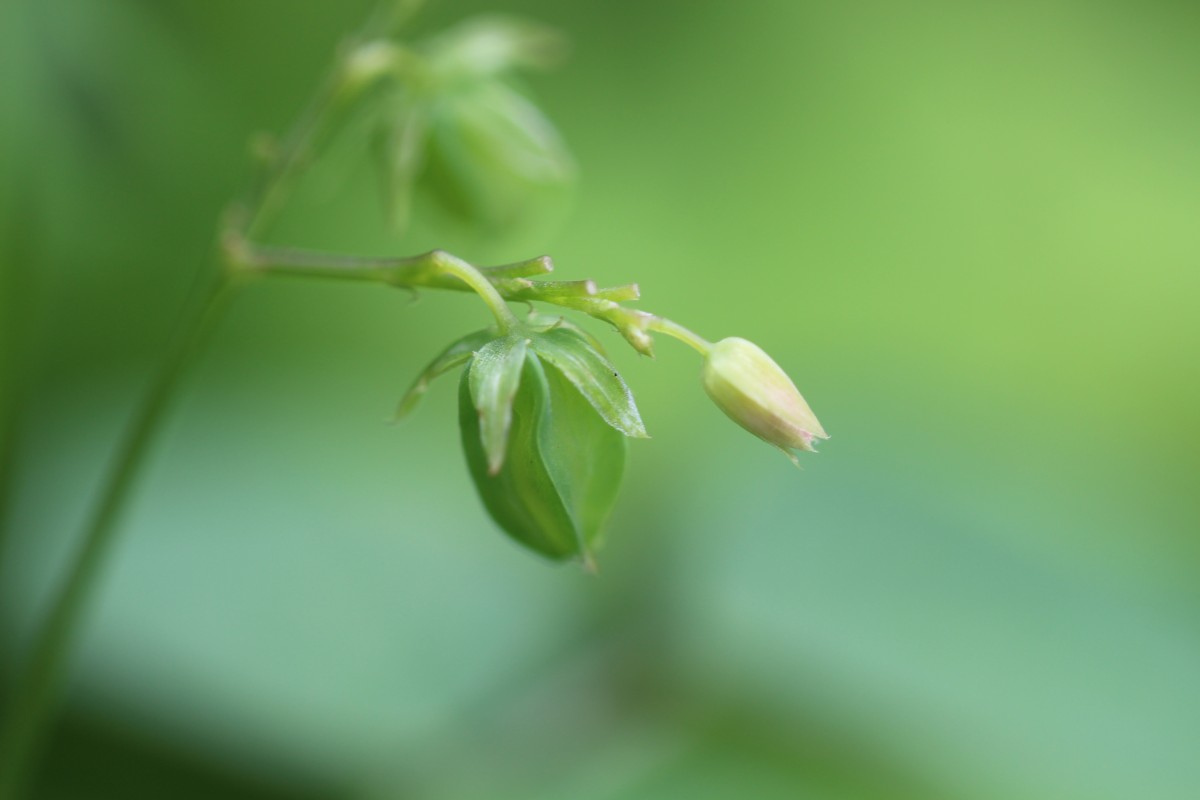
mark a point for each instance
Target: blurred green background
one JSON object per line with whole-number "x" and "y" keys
{"x": 969, "y": 231}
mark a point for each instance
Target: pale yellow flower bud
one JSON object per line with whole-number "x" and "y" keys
{"x": 757, "y": 394}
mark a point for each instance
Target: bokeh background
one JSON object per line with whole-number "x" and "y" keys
{"x": 971, "y": 233}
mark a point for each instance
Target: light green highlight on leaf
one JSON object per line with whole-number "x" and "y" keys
{"x": 494, "y": 376}
{"x": 593, "y": 376}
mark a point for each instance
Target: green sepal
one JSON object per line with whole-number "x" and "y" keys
{"x": 585, "y": 457}
{"x": 548, "y": 322}
{"x": 494, "y": 376}
{"x": 592, "y": 374}
{"x": 563, "y": 469}
{"x": 457, "y": 354}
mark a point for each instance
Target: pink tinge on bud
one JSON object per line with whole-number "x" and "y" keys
{"x": 757, "y": 394}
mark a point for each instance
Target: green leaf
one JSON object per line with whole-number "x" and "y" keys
{"x": 456, "y": 354}
{"x": 547, "y": 322}
{"x": 494, "y": 376}
{"x": 593, "y": 376}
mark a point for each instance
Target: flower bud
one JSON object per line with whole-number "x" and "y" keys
{"x": 561, "y": 467}
{"x": 758, "y": 395}
{"x": 544, "y": 417}
{"x": 493, "y": 157}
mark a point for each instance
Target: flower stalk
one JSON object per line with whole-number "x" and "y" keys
{"x": 438, "y": 269}
{"x": 35, "y": 695}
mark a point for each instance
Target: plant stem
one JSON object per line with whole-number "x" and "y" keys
{"x": 440, "y": 270}
{"x": 677, "y": 331}
{"x": 21, "y": 735}
{"x": 288, "y": 157}
{"x": 471, "y": 276}
{"x": 424, "y": 271}
{"x": 22, "y": 731}
{"x": 436, "y": 269}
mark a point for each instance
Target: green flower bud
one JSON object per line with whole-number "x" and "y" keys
{"x": 757, "y": 394}
{"x": 493, "y": 157}
{"x": 544, "y": 417}
{"x": 453, "y": 123}
{"x": 561, "y": 465}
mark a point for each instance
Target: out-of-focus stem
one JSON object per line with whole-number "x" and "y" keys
{"x": 33, "y": 699}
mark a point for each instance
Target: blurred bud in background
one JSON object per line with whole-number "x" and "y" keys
{"x": 492, "y": 47}
{"x": 458, "y": 125}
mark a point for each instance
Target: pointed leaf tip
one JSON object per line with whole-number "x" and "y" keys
{"x": 457, "y": 354}
{"x": 494, "y": 378}
{"x": 594, "y": 377}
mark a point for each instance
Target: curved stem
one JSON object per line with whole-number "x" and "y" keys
{"x": 285, "y": 159}
{"x": 44, "y": 671}
{"x": 677, "y": 331}
{"x": 471, "y": 276}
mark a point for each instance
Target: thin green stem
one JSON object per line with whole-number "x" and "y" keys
{"x": 440, "y": 270}
{"x": 424, "y": 271}
{"x": 16, "y": 285}
{"x": 38, "y": 686}
{"x": 436, "y": 269}
{"x": 285, "y": 159}
{"x": 677, "y": 331}
{"x": 471, "y": 276}
{"x": 23, "y": 729}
